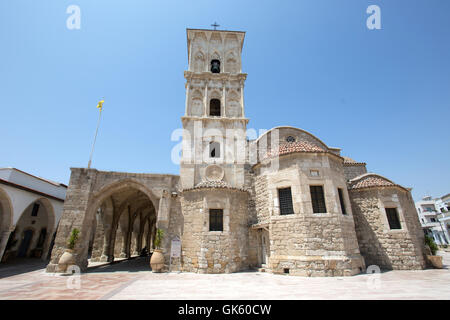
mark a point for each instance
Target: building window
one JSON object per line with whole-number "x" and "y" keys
{"x": 35, "y": 210}
{"x": 215, "y": 219}
{"x": 285, "y": 196}
{"x": 215, "y": 66}
{"x": 214, "y": 108}
{"x": 290, "y": 139}
{"x": 214, "y": 150}
{"x": 341, "y": 200}
{"x": 433, "y": 219}
{"x": 392, "y": 216}
{"x": 318, "y": 199}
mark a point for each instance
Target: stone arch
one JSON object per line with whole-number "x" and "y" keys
{"x": 233, "y": 104}
{"x": 6, "y": 210}
{"x": 231, "y": 62}
{"x": 27, "y": 222}
{"x": 197, "y": 103}
{"x": 6, "y": 220}
{"x": 199, "y": 61}
{"x": 127, "y": 198}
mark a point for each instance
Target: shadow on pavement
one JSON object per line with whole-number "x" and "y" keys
{"x": 21, "y": 265}
{"x": 137, "y": 264}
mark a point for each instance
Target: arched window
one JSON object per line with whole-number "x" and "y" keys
{"x": 215, "y": 66}
{"x": 214, "y": 150}
{"x": 214, "y": 107}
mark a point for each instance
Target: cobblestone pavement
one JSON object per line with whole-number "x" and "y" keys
{"x": 132, "y": 280}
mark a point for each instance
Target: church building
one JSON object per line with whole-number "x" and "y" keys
{"x": 282, "y": 201}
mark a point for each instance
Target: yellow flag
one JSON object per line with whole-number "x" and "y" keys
{"x": 100, "y": 105}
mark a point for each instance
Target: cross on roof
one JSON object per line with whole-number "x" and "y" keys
{"x": 215, "y": 25}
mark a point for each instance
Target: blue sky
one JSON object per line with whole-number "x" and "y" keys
{"x": 383, "y": 96}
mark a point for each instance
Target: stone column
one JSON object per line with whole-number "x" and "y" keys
{"x": 242, "y": 98}
{"x": 163, "y": 218}
{"x": 188, "y": 86}
{"x": 46, "y": 246}
{"x": 225, "y": 112}
{"x": 205, "y": 99}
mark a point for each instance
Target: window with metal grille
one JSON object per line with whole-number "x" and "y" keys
{"x": 35, "y": 210}
{"x": 215, "y": 219}
{"x": 341, "y": 200}
{"x": 290, "y": 139}
{"x": 214, "y": 107}
{"x": 394, "y": 221}
{"x": 318, "y": 199}
{"x": 285, "y": 196}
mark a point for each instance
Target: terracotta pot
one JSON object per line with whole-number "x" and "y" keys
{"x": 436, "y": 261}
{"x": 157, "y": 261}
{"x": 67, "y": 259}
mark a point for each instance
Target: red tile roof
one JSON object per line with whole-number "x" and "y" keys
{"x": 371, "y": 180}
{"x": 350, "y": 161}
{"x": 291, "y": 147}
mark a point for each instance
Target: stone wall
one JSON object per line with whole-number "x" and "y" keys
{"x": 314, "y": 245}
{"x": 307, "y": 243}
{"x": 354, "y": 170}
{"x": 205, "y": 251}
{"x": 400, "y": 249}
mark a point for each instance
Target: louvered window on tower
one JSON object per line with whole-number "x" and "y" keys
{"x": 214, "y": 108}
{"x": 285, "y": 196}
{"x": 318, "y": 199}
{"x": 215, "y": 219}
{"x": 214, "y": 150}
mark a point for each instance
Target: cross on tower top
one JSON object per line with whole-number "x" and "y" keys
{"x": 215, "y": 25}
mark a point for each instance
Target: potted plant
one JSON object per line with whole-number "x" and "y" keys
{"x": 68, "y": 257}
{"x": 157, "y": 259}
{"x": 436, "y": 261}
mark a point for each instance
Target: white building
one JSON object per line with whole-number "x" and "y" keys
{"x": 30, "y": 209}
{"x": 434, "y": 223}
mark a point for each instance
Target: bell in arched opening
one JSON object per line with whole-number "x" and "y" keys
{"x": 215, "y": 66}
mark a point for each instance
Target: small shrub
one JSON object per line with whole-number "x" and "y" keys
{"x": 430, "y": 243}
{"x": 73, "y": 238}
{"x": 158, "y": 238}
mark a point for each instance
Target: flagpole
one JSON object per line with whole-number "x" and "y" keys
{"x": 95, "y": 138}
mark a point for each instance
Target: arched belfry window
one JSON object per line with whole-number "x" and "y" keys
{"x": 215, "y": 66}
{"x": 214, "y": 150}
{"x": 214, "y": 107}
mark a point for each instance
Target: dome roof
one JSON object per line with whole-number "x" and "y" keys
{"x": 292, "y": 147}
{"x": 371, "y": 180}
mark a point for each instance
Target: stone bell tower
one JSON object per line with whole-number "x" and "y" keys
{"x": 214, "y": 120}
{"x": 214, "y": 202}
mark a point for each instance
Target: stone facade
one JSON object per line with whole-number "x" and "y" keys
{"x": 400, "y": 249}
{"x": 225, "y": 206}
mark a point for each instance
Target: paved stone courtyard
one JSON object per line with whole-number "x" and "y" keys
{"x": 132, "y": 280}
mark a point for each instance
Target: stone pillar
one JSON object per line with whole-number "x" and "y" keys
{"x": 205, "y": 99}
{"x": 224, "y": 112}
{"x": 46, "y": 246}
{"x": 4, "y": 241}
{"x": 162, "y": 222}
{"x": 75, "y": 215}
{"x": 242, "y": 98}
